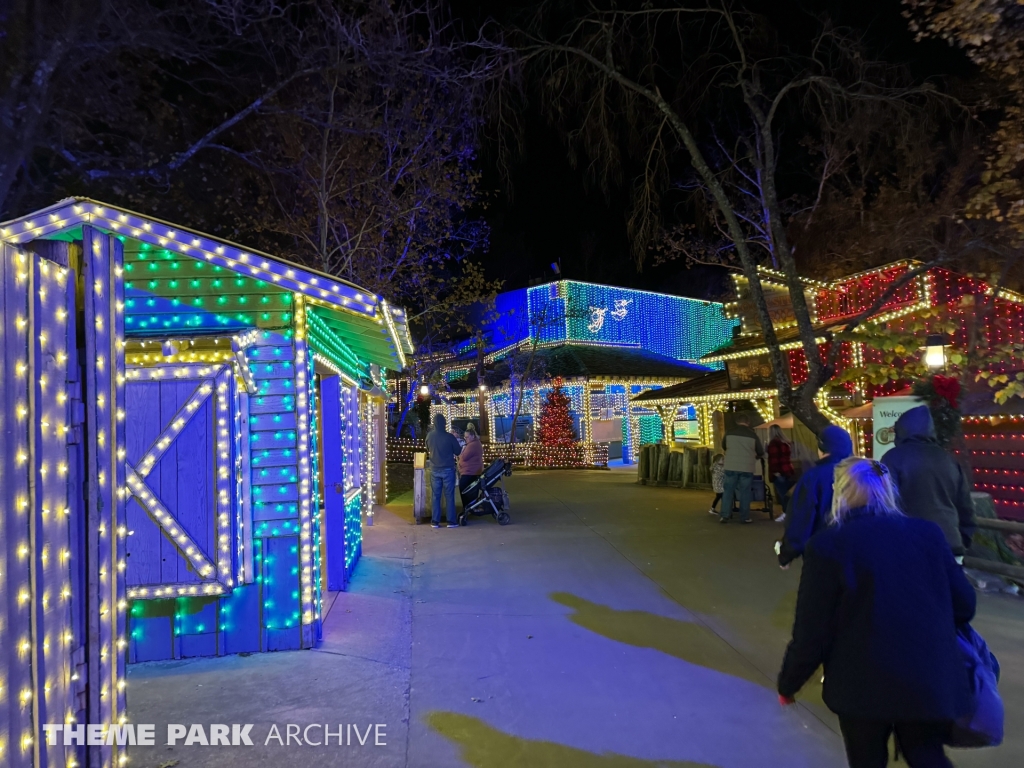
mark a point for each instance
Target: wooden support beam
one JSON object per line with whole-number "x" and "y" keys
{"x": 1007, "y": 526}
{"x": 1015, "y": 572}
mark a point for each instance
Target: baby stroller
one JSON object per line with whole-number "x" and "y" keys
{"x": 487, "y": 496}
{"x": 761, "y": 490}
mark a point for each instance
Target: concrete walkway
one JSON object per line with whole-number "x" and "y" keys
{"x": 609, "y": 625}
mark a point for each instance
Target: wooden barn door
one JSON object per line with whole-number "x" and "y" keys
{"x": 181, "y": 471}
{"x": 61, "y": 589}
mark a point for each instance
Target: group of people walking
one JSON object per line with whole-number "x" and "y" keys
{"x": 882, "y": 594}
{"x": 446, "y": 455}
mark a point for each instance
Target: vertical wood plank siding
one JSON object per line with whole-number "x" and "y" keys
{"x": 16, "y": 628}
{"x": 48, "y": 415}
{"x": 35, "y": 551}
{"x": 104, "y": 380}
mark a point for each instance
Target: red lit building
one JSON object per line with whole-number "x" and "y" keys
{"x": 992, "y": 435}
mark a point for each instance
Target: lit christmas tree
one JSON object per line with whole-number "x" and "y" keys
{"x": 555, "y": 428}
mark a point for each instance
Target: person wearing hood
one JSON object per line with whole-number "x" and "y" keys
{"x": 879, "y": 604}
{"x": 811, "y": 502}
{"x": 444, "y": 448}
{"x": 471, "y": 460}
{"x": 931, "y": 484}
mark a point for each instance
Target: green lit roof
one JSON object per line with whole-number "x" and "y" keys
{"x": 372, "y": 329}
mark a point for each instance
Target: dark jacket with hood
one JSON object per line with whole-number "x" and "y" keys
{"x": 880, "y": 599}
{"x": 442, "y": 445}
{"x": 932, "y": 486}
{"x": 811, "y": 505}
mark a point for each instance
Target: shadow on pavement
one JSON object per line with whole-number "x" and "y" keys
{"x": 691, "y": 642}
{"x": 484, "y": 746}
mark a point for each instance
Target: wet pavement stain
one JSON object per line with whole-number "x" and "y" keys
{"x": 483, "y": 746}
{"x": 689, "y": 641}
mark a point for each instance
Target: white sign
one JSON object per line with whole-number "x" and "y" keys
{"x": 885, "y": 411}
{"x": 606, "y": 430}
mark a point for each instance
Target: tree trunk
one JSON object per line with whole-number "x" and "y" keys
{"x": 807, "y": 411}
{"x": 795, "y": 400}
{"x": 485, "y": 424}
{"x": 405, "y": 410}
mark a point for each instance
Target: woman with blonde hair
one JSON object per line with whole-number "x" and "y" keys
{"x": 879, "y": 603}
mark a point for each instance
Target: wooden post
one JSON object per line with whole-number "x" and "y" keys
{"x": 483, "y": 424}
{"x": 663, "y": 455}
{"x": 104, "y": 330}
{"x": 687, "y": 467}
{"x": 15, "y": 719}
{"x": 419, "y": 486}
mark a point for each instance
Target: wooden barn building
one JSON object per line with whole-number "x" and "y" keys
{"x": 193, "y": 435}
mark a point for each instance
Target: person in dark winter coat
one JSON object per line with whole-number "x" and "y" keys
{"x": 742, "y": 449}
{"x": 880, "y": 600}
{"x": 444, "y": 450}
{"x": 780, "y": 467}
{"x": 811, "y": 503}
{"x": 931, "y": 484}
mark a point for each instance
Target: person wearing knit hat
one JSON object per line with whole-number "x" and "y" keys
{"x": 811, "y": 503}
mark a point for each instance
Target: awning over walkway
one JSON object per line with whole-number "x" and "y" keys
{"x": 711, "y": 387}
{"x": 594, "y": 362}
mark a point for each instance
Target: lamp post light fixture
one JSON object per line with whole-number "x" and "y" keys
{"x": 483, "y": 387}
{"x": 935, "y": 351}
{"x": 424, "y": 390}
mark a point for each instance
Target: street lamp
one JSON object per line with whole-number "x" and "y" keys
{"x": 483, "y": 387}
{"x": 424, "y": 390}
{"x": 935, "y": 351}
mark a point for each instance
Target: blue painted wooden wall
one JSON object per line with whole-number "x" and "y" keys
{"x": 265, "y": 614}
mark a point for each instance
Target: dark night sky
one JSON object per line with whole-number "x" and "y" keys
{"x": 553, "y": 216}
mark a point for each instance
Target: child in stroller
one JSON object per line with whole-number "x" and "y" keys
{"x": 486, "y": 495}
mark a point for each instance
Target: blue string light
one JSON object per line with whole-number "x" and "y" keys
{"x": 678, "y": 327}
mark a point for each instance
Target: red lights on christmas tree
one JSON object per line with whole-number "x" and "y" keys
{"x": 555, "y": 424}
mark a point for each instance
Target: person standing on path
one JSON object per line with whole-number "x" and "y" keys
{"x": 780, "y": 467}
{"x": 742, "y": 449}
{"x": 444, "y": 448}
{"x": 717, "y": 480}
{"x": 811, "y": 503}
{"x": 879, "y": 604}
{"x": 931, "y": 484}
{"x": 471, "y": 460}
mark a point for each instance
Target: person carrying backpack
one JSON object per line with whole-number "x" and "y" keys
{"x": 880, "y": 602}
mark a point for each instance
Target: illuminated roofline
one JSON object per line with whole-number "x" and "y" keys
{"x": 618, "y": 288}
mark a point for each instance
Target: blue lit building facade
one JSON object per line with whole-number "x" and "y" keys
{"x": 199, "y": 429}
{"x": 571, "y": 311}
{"x": 606, "y": 344}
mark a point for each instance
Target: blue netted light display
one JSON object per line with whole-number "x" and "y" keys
{"x": 678, "y": 327}
{"x": 571, "y": 311}
{"x": 314, "y": 473}
{"x": 353, "y": 533}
